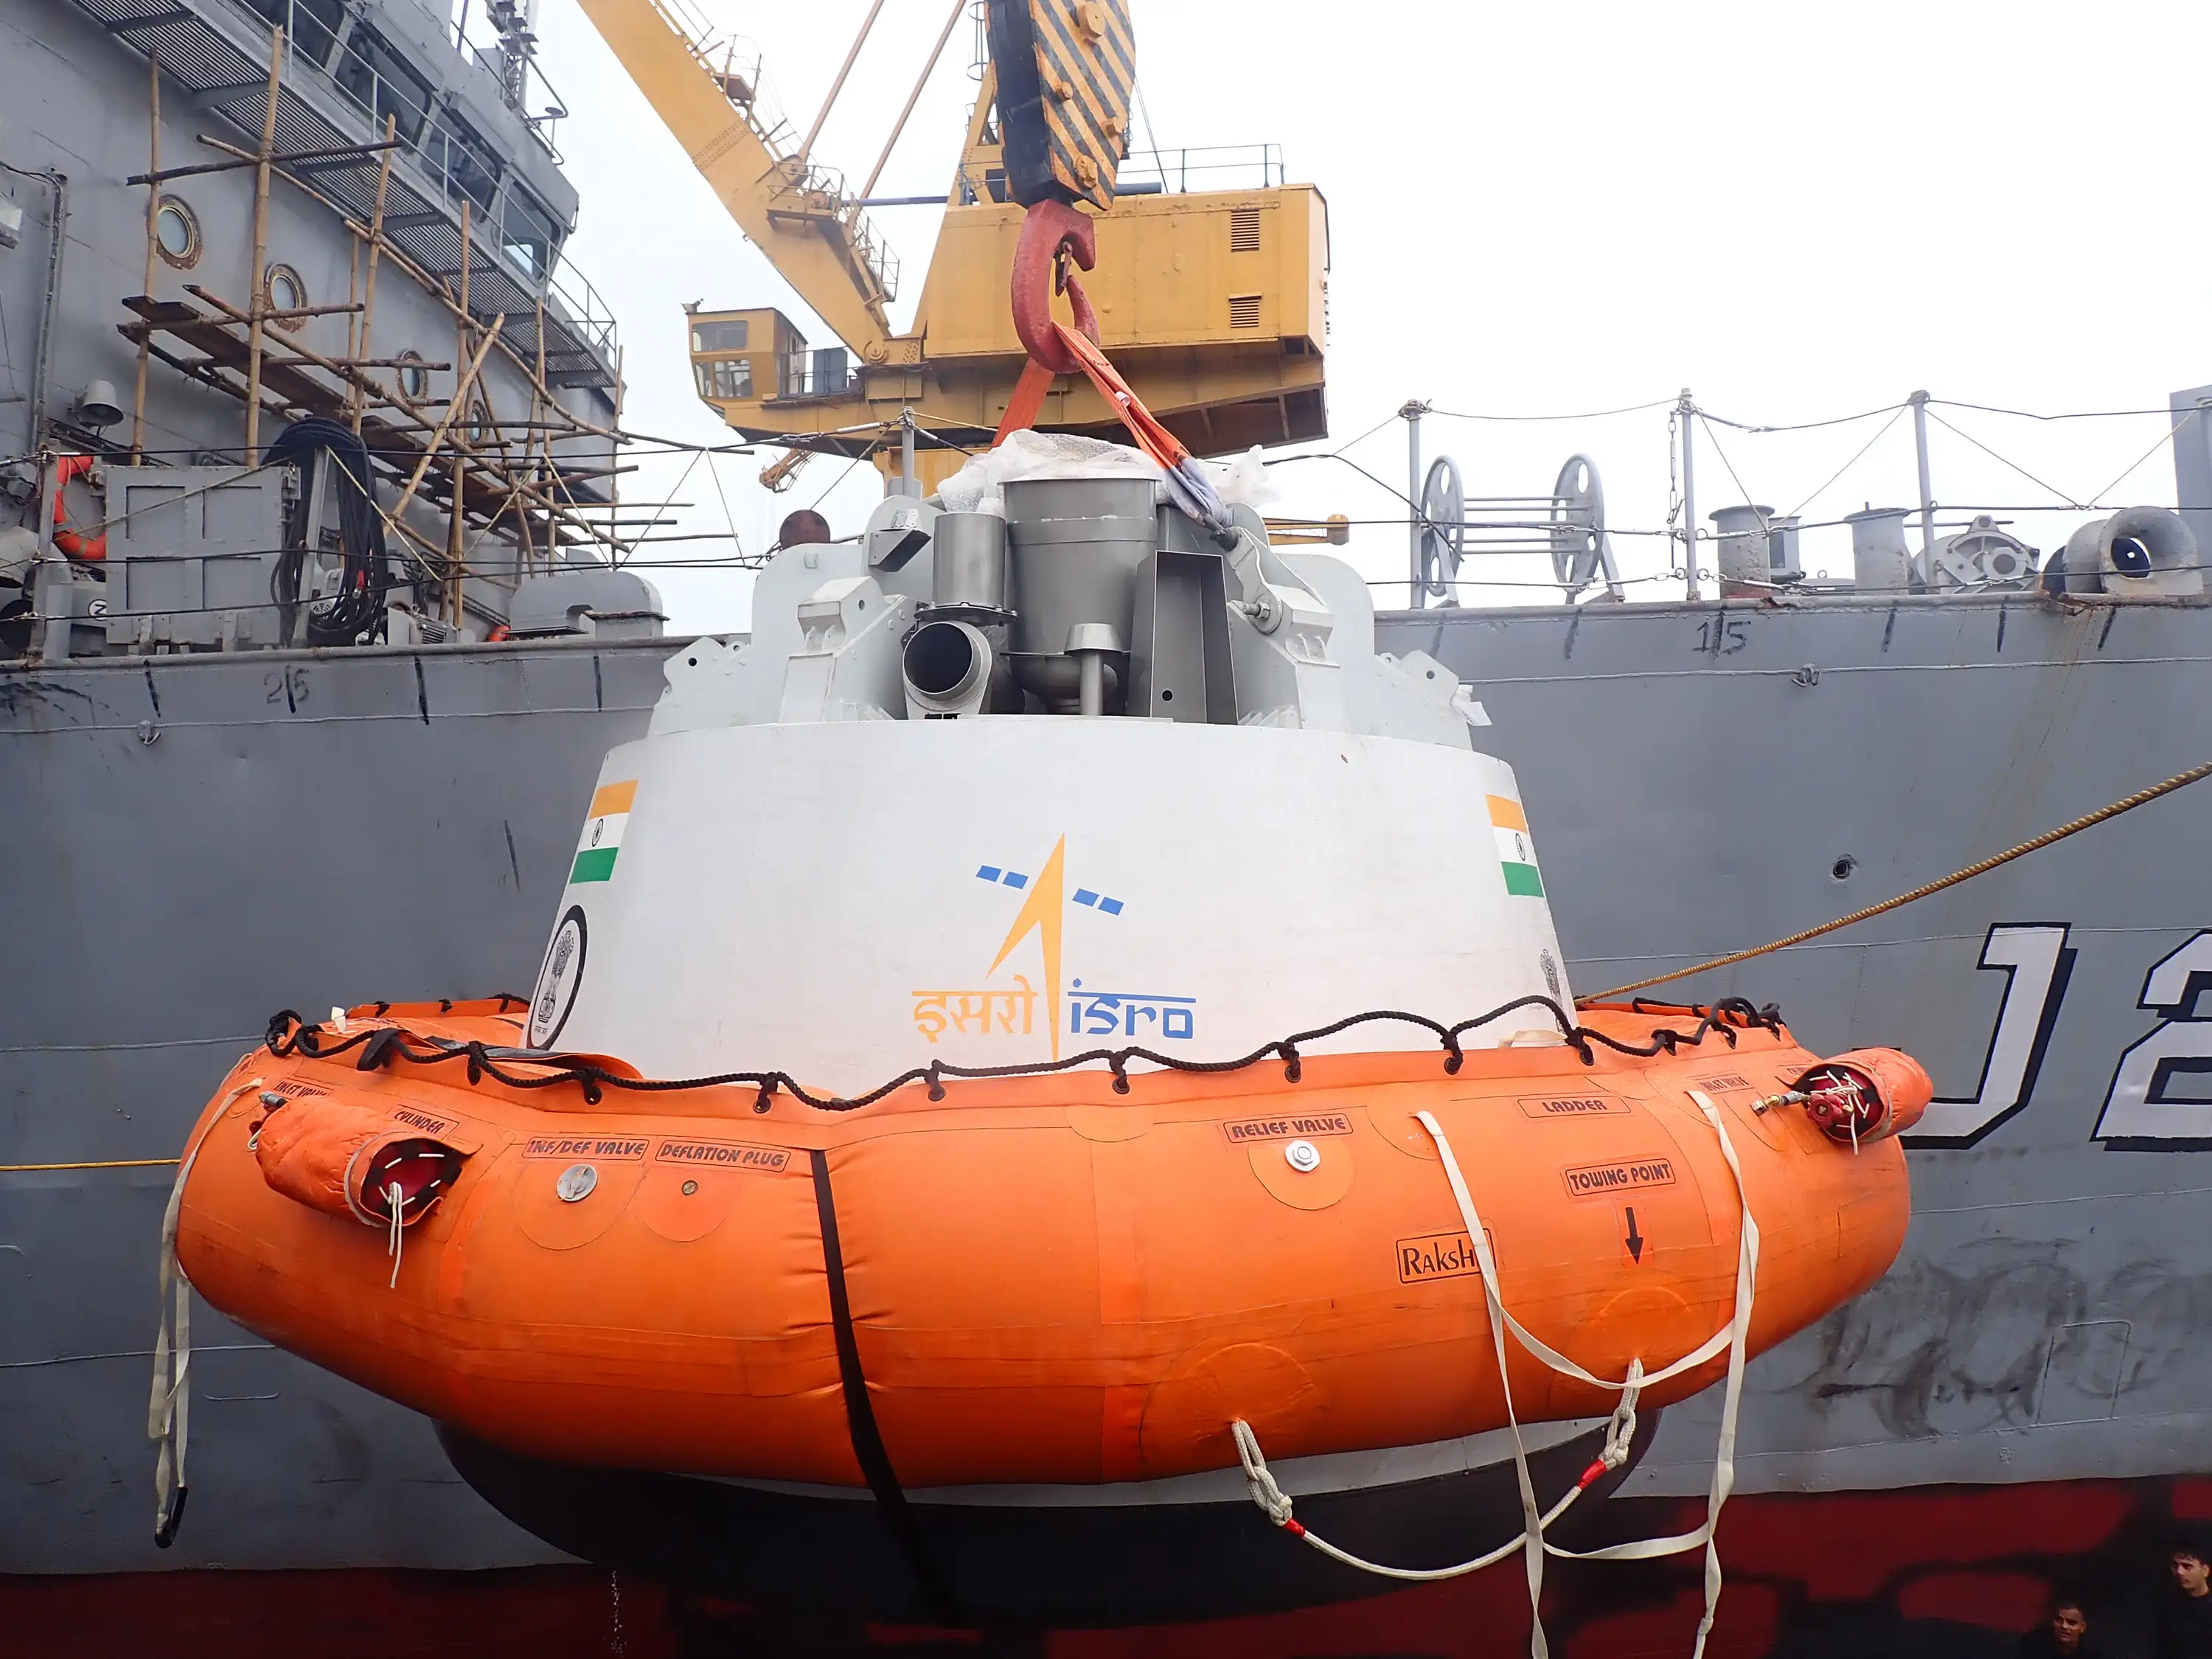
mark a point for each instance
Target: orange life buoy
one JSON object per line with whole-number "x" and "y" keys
{"x": 74, "y": 543}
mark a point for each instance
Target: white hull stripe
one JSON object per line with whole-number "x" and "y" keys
{"x": 1360, "y": 1471}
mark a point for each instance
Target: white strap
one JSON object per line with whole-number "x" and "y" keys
{"x": 1732, "y": 1337}
{"x": 168, "y": 1408}
{"x": 1272, "y": 1498}
{"x": 396, "y": 1202}
{"x": 1535, "y": 1345}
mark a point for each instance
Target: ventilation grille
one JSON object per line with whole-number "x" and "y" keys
{"x": 1245, "y": 230}
{"x": 1244, "y": 311}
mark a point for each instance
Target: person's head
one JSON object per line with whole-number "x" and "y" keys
{"x": 2068, "y": 1625}
{"x": 2190, "y": 1575}
{"x": 801, "y": 527}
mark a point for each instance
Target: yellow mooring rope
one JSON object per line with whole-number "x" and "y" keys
{"x": 112, "y": 1163}
{"x": 2126, "y": 804}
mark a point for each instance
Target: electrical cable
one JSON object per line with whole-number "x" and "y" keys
{"x": 356, "y": 610}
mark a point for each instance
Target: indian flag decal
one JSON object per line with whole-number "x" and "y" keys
{"x": 603, "y": 832}
{"x": 1517, "y": 856}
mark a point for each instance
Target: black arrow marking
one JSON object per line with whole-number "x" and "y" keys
{"x": 1635, "y": 1240}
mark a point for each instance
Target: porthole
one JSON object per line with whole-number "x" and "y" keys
{"x": 283, "y": 291}
{"x": 177, "y": 233}
{"x": 414, "y": 377}
{"x": 480, "y": 428}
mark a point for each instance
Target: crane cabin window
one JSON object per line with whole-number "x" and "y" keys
{"x": 719, "y": 337}
{"x": 732, "y": 377}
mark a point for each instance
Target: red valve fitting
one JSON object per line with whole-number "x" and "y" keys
{"x": 1865, "y": 1094}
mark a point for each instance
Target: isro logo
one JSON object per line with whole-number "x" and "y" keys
{"x": 1048, "y": 902}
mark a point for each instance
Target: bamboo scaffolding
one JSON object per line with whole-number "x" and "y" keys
{"x": 622, "y": 387}
{"x": 547, "y": 499}
{"x": 247, "y": 159}
{"x": 513, "y": 476}
{"x": 255, "y": 329}
{"x": 530, "y": 438}
{"x": 153, "y": 231}
{"x": 346, "y": 368}
{"x": 431, "y": 286}
{"x": 376, "y": 237}
{"x": 463, "y": 442}
{"x": 460, "y": 397}
{"x": 536, "y": 490}
{"x": 353, "y": 308}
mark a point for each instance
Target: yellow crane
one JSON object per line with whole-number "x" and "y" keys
{"x": 1212, "y": 303}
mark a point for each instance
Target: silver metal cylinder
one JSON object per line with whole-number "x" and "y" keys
{"x": 1074, "y": 546}
{"x": 968, "y": 562}
{"x": 2139, "y": 553}
{"x": 947, "y": 666}
{"x": 1742, "y": 557}
{"x": 1090, "y": 644}
{"x": 1881, "y": 562}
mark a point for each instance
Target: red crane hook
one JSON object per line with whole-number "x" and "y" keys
{"x": 1053, "y": 234}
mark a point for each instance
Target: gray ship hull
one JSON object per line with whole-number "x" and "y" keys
{"x": 201, "y": 841}
{"x": 1692, "y": 801}
{"x": 2021, "y": 1400}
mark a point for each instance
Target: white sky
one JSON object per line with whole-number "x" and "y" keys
{"x": 1799, "y": 211}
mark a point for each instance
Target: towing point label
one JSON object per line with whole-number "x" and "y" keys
{"x": 1621, "y": 1175}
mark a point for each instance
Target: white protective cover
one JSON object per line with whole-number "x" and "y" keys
{"x": 843, "y": 901}
{"x": 980, "y": 486}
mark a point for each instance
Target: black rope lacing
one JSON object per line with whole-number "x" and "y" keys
{"x": 288, "y": 1034}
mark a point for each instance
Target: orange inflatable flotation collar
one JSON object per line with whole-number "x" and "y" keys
{"x": 75, "y": 544}
{"x": 1060, "y": 1287}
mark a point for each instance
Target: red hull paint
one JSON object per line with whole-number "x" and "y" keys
{"x": 1928, "y": 1571}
